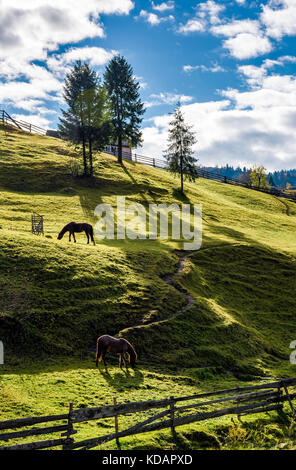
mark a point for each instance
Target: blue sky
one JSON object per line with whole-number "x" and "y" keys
{"x": 231, "y": 64}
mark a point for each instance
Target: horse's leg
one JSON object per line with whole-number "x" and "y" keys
{"x": 92, "y": 238}
{"x": 69, "y": 236}
{"x": 86, "y": 233}
{"x": 104, "y": 359}
{"x": 120, "y": 361}
{"x": 74, "y": 237}
{"x": 124, "y": 360}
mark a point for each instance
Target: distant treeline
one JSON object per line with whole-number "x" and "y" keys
{"x": 277, "y": 178}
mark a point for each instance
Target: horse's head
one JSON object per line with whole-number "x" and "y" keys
{"x": 132, "y": 357}
{"x": 60, "y": 235}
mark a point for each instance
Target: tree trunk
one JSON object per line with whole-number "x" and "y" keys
{"x": 84, "y": 154}
{"x": 120, "y": 149}
{"x": 181, "y": 172}
{"x": 90, "y": 157}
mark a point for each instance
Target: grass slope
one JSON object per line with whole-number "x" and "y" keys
{"x": 56, "y": 297}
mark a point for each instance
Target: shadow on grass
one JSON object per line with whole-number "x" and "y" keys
{"x": 177, "y": 193}
{"x": 123, "y": 378}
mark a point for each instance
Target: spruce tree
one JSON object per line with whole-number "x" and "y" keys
{"x": 97, "y": 121}
{"x": 179, "y": 153}
{"x": 86, "y": 121}
{"x": 125, "y": 104}
{"x": 271, "y": 180}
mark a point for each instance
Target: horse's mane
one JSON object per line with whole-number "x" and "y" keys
{"x": 65, "y": 229}
{"x": 131, "y": 351}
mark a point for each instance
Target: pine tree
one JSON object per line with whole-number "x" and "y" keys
{"x": 97, "y": 120}
{"x": 86, "y": 121}
{"x": 125, "y": 104}
{"x": 179, "y": 153}
{"x": 271, "y": 180}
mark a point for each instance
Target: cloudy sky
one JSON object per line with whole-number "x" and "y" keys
{"x": 231, "y": 64}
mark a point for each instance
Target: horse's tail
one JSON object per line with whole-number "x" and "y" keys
{"x": 99, "y": 352}
{"x": 91, "y": 230}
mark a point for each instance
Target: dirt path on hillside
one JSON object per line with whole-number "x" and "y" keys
{"x": 285, "y": 204}
{"x": 169, "y": 279}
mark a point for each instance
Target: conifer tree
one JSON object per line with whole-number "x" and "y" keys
{"x": 125, "y": 103}
{"x": 86, "y": 121}
{"x": 179, "y": 153}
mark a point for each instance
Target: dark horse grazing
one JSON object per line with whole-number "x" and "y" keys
{"x": 74, "y": 227}
{"x": 119, "y": 346}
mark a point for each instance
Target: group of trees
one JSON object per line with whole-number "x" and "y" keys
{"x": 110, "y": 110}
{"x": 276, "y": 178}
{"x": 101, "y": 111}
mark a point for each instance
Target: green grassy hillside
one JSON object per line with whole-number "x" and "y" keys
{"x": 56, "y": 298}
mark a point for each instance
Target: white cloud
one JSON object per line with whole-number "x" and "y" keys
{"x": 154, "y": 19}
{"x": 141, "y": 81}
{"x": 214, "y": 68}
{"x": 212, "y": 10}
{"x": 34, "y": 119}
{"x": 33, "y": 30}
{"x": 96, "y": 56}
{"x": 238, "y": 137}
{"x": 245, "y": 38}
{"x": 246, "y": 45}
{"x": 192, "y": 26}
{"x": 279, "y": 17}
{"x": 167, "y": 98}
{"x": 42, "y": 85}
{"x": 287, "y": 58}
{"x": 206, "y": 13}
{"x": 255, "y": 75}
{"x": 30, "y": 29}
{"x": 237, "y": 27}
{"x": 254, "y": 126}
{"x": 170, "y": 5}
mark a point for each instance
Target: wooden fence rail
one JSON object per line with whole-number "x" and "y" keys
{"x": 150, "y": 161}
{"x": 203, "y": 173}
{"x": 23, "y": 125}
{"x": 246, "y": 400}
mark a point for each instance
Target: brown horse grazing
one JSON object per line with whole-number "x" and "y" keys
{"x": 119, "y": 346}
{"x": 74, "y": 227}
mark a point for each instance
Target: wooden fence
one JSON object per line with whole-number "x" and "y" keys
{"x": 241, "y": 401}
{"x": 203, "y": 173}
{"x": 150, "y": 161}
{"x": 22, "y": 125}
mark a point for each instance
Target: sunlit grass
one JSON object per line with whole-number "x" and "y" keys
{"x": 56, "y": 297}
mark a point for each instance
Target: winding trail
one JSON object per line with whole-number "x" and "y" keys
{"x": 169, "y": 280}
{"x": 284, "y": 203}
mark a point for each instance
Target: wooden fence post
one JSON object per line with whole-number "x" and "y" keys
{"x": 69, "y": 440}
{"x": 172, "y": 414}
{"x": 238, "y": 401}
{"x": 289, "y": 400}
{"x": 116, "y": 423}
